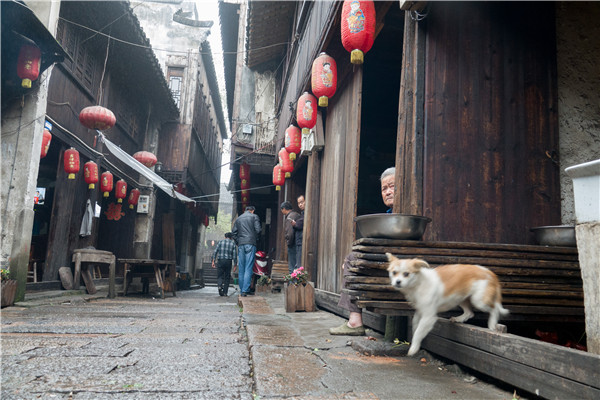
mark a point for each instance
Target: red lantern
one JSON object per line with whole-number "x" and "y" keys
{"x": 324, "y": 78}
{"x": 293, "y": 141}
{"x": 146, "y": 158}
{"x": 71, "y": 162}
{"x": 358, "y": 28}
{"x": 134, "y": 196}
{"x": 245, "y": 196}
{"x": 306, "y": 113}
{"x": 286, "y": 164}
{"x": 278, "y": 177}
{"x": 121, "y": 191}
{"x": 106, "y": 183}
{"x": 245, "y": 171}
{"x": 46, "y": 139}
{"x": 28, "y": 64}
{"x": 90, "y": 174}
{"x": 97, "y": 117}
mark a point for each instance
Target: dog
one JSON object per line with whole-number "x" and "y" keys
{"x": 434, "y": 290}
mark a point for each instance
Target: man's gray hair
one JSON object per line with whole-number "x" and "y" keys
{"x": 388, "y": 172}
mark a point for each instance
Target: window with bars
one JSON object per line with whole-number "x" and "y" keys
{"x": 84, "y": 65}
{"x": 175, "y": 76}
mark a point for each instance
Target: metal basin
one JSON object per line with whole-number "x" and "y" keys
{"x": 559, "y": 235}
{"x": 391, "y": 226}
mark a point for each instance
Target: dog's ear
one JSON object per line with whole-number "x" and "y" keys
{"x": 418, "y": 263}
{"x": 390, "y": 257}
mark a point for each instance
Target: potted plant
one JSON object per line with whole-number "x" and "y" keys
{"x": 9, "y": 288}
{"x": 263, "y": 284}
{"x": 299, "y": 292}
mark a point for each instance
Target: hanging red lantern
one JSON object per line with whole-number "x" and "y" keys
{"x": 286, "y": 164}
{"x": 324, "y": 78}
{"x": 245, "y": 171}
{"x": 97, "y": 117}
{"x": 245, "y": 196}
{"x": 278, "y": 177}
{"x": 90, "y": 174}
{"x": 121, "y": 191}
{"x": 293, "y": 141}
{"x": 106, "y": 183}
{"x": 146, "y": 158}
{"x": 28, "y": 64}
{"x": 46, "y": 139}
{"x": 71, "y": 162}
{"x": 306, "y": 112}
{"x": 134, "y": 196}
{"x": 358, "y": 28}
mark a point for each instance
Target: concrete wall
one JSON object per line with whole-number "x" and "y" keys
{"x": 578, "y": 58}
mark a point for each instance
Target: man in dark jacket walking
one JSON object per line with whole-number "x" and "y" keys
{"x": 245, "y": 232}
{"x": 290, "y": 236}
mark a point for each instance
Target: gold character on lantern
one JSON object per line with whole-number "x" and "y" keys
{"x": 307, "y": 110}
{"x": 327, "y": 75}
{"x": 356, "y": 18}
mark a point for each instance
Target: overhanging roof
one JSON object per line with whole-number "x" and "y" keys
{"x": 268, "y": 31}
{"x": 229, "y": 18}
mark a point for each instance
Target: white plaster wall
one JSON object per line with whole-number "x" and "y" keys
{"x": 264, "y": 106}
{"x": 578, "y": 63}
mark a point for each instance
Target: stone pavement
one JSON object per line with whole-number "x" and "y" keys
{"x": 202, "y": 346}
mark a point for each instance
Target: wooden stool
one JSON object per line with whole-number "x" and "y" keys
{"x": 94, "y": 256}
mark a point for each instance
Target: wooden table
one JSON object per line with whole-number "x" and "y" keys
{"x": 140, "y": 266}
{"x": 93, "y": 256}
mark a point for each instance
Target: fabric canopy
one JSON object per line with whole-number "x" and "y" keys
{"x": 143, "y": 170}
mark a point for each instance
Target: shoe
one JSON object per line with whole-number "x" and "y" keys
{"x": 221, "y": 292}
{"x": 344, "y": 329}
{"x": 243, "y": 295}
{"x": 251, "y": 293}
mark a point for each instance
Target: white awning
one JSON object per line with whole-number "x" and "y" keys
{"x": 143, "y": 170}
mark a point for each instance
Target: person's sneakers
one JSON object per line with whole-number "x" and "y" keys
{"x": 344, "y": 329}
{"x": 221, "y": 292}
{"x": 243, "y": 295}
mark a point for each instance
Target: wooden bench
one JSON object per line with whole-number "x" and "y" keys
{"x": 538, "y": 282}
{"x": 89, "y": 257}
{"x": 141, "y": 268}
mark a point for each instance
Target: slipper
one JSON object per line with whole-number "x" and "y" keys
{"x": 344, "y": 329}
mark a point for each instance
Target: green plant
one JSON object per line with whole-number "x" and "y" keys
{"x": 298, "y": 276}
{"x": 5, "y": 272}
{"x": 263, "y": 280}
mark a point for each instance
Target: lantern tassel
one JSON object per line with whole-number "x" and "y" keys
{"x": 357, "y": 56}
{"x": 323, "y": 101}
{"x": 26, "y": 83}
{"x": 292, "y": 156}
{"x": 119, "y": 200}
{"x": 305, "y": 131}
{"x": 105, "y": 194}
{"x": 287, "y": 174}
{"x": 91, "y": 186}
{"x": 131, "y": 206}
{"x": 278, "y": 188}
{"x": 71, "y": 176}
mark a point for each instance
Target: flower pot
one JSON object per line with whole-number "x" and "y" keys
{"x": 9, "y": 290}
{"x": 299, "y": 297}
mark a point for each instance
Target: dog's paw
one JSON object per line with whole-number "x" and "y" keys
{"x": 412, "y": 351}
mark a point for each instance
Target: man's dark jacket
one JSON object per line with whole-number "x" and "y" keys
{"x": 246, "y": 229}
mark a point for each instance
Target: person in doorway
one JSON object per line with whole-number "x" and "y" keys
{"x": 298, "y": 226}
{"x": 290, "y": 238}
{"x": 225, "y": 254}
{"x": 354, "y": 326}
{"x": 246, "y": 229}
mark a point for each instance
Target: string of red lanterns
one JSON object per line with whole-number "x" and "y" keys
{"x": 106, "y": 183}
{"x": 134, "y": 196}
{"x": 287, "y": 167}
{"x": 71, "y": 162}
{"x": 306, "y": 112}
{"x": 121, "y": 191}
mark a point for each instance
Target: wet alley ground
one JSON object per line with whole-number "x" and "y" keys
{"x": 202, "y": 346}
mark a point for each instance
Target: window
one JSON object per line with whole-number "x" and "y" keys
{"x": 175, "y": 76}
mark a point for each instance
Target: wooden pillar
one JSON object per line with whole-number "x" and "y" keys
{"x": 410, "y": 139}
{"x": 310, "y": 243}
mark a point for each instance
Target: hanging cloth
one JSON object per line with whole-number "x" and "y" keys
{"x": 86, "y": 222}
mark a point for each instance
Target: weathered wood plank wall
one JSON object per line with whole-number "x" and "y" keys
{"x": 339, "y": 175}
{"x": 490, "y": 122}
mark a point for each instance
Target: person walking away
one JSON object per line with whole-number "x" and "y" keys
{"x": 225, "y": 254}
{"x": 290, "y": 237}
{"x": 354, "y": 326}
{"x": 298, "y": 226}
{"x": 246, "y": 229}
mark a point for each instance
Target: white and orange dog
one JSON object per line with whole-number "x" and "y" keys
{"x": 434, "y": 290}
